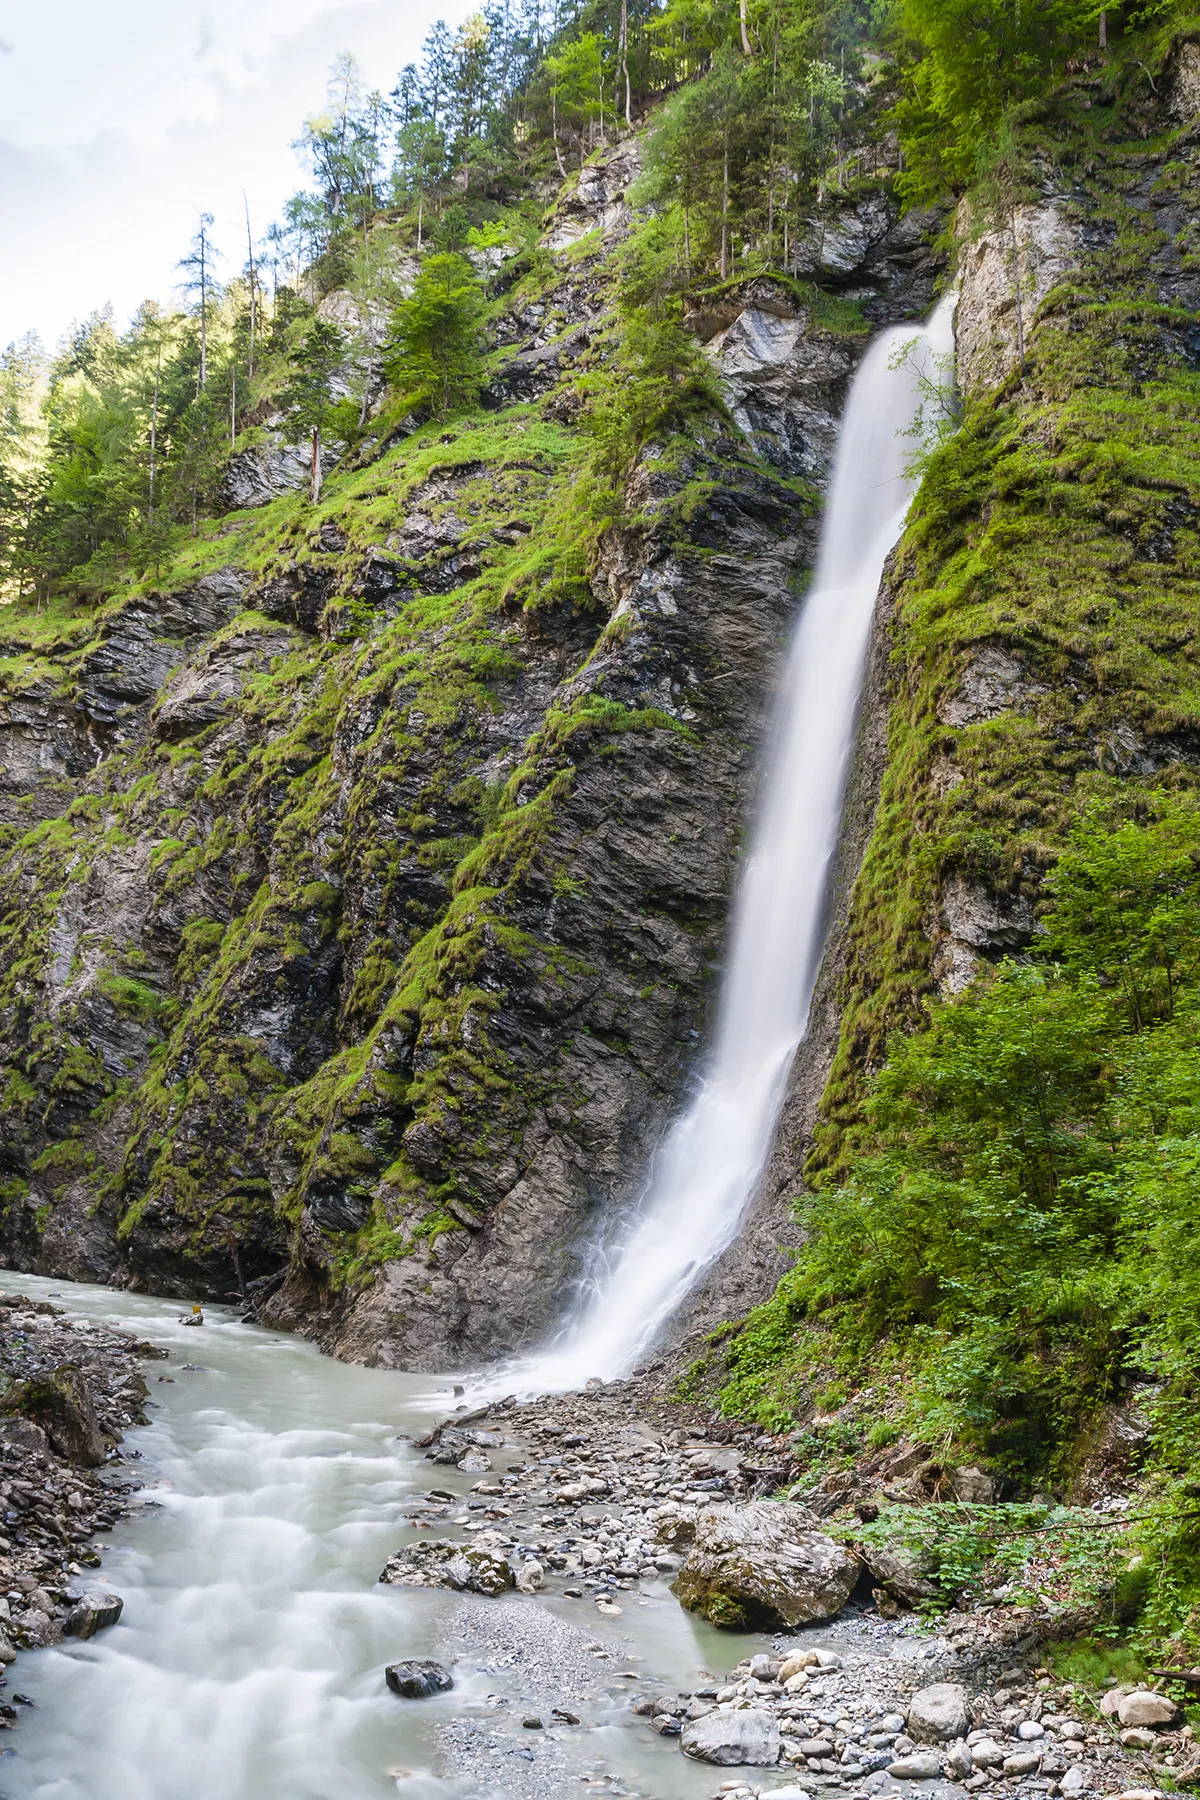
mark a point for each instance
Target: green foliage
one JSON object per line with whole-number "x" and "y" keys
{"x": 1029, "y": 1551}
{"x": 1017, "y": 1217}
{"x": 436, "y": 355}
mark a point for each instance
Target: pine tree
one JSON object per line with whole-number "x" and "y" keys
{"x": 435, "y": 357}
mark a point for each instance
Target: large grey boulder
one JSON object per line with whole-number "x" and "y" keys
{"x": 939, "y": 1713}
{"x": 1145, "y": 1707}
{"x": 764, "y": 1564}
{"x": 739, "y": 1735}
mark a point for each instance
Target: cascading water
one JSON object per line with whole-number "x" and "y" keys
{"x": 710, "y": 1163}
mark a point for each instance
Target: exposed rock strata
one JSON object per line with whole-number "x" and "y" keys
{"x": 388, "y": 930}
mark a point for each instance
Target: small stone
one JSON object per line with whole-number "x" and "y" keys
{"x": 1110, "y": 1702}
{"x": 1022, "y": 1762}
{"x": 92, "y": 1614}
{"x": 530, "y": 1577}
{"x": 666, "y": 1725}
{"x": 923, "y": 1766}
{"x": 959, "y": 1761}
{"x": 531, "y": 1722}
{"x": 418, "y": 1679}
{"x": 748, "y": 1735}
{"x": 609, "y": 1608}
{"x": 1145, "y": 1707}
{"x": 987, "y": 1753}
{"x": 1029, "y": 1730}
{"x": 1138, "y": 1737}
{"x": 1074, "y": 1781}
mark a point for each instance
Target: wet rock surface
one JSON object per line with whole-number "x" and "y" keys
{"x": 606, "y": 1492}
{"x": 69, "y": 1389}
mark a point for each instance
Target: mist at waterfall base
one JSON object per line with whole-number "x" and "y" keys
{"x": 709, "y": 1164}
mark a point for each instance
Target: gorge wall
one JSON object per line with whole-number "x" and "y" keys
{"x": 365, "y": 885}
{"x": 364, "y": 890}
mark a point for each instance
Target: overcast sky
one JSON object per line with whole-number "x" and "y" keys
{"x": 121, "y": 120}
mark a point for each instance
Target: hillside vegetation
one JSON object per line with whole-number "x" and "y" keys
{"x": 366, "y": 877}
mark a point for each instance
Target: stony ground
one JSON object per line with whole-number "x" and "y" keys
{"x": 595, "y": 1497}
{"x": 68, "y": 1390}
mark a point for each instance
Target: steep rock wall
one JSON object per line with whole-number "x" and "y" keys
{"x": 1034, "y": 644}
{"x": 365, "y": 883}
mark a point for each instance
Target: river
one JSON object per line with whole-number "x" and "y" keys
{"x": 248, "y": 1664}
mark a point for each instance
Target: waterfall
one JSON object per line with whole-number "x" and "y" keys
{"x": 709, "y": 1164}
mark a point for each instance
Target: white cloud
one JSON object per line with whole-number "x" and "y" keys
{"x": 121, "y": 122}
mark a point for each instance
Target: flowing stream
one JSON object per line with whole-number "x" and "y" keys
{"x": 708, "y": 1166}
{"x": 248, "y": 1663}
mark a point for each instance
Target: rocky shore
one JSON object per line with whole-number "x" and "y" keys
{"x": 69, "y": 1388}
{"x": 604, "y": 1498}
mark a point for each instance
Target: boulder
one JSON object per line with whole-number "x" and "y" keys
{"x": 939, "y": 1713}
{"x": 417, "y": 1679}
{"x": 470, "y": 1568}
{"x": 900, "y": 1575}
{"x": 60, "y": 1401}
{"x": 92, "y": 1614}
{"x": 973, "y": 1486}
{"x": 742, "y": 1735}
{"x": 763, "y": 1565}
{"x": 1145, "y": 1707}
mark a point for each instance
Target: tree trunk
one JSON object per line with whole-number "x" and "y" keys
{"x": 746, "y": 50}
{"x": 314, "y": 486}
{"x": 725, "y": 212}
{"x": 562, "y": 167}
{"x": 1104, "y": 30}
{"x": 253, "y": 285}
{"x": 623, "y": 62}
{"x": 154, "y": 433}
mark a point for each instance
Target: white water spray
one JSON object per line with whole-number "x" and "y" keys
{"x": 710, "y": 1163}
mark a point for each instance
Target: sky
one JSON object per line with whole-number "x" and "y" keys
{"x": 122, "y": 120}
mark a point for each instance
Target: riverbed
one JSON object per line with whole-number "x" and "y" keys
{"x": 249, "y": 1661}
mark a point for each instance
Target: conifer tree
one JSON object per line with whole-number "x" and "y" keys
{"x": 435, "y": 357}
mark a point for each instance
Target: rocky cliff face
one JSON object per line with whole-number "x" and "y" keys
{"x": 1034, "y": 649}
{"x": 364, "y": 885}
